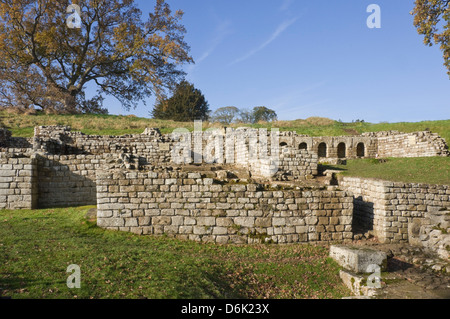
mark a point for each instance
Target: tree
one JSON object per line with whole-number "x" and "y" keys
{"x": 245, "y": 116}
{"x": 186, "y": 104}
{"x": 225, "y": 115}
{"x": 46, "y": 62}
{"x": 429, "y": 17}
{"x": 262, "y": 113}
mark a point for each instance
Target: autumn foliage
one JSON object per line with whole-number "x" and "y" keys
{"x": 432, "y": 20}
{"x": 46, "y": 64}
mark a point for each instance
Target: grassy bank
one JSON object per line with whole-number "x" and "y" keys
{"x": 23, "y": 125}
{"x": 36, "y": 247}
{"x": 429, "y": 170}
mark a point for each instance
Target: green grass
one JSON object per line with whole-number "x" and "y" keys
{"x": 36, "y": 247}
{"x": 429, "y": 170}
{"x": 440, "y": 127}
{"x": 22, "y": 125}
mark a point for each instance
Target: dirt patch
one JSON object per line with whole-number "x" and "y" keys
{"x": 350, "y": 131}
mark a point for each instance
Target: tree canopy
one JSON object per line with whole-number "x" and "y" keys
{"x": 262, "y": 113}
{"x": 432, "y": 20}
{"x": 230, "y": 114}
{"x": 46, "y": 63}
{"x": 186, "y": 104}
{"x": 225, "y": 115}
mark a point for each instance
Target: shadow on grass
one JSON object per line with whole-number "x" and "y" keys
{"x": 323, "y": 167}
{"x": 12, "y": 284}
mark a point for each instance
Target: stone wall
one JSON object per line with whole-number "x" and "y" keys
{"x": 68, "y": 180}
{"x": 17, "y": 182}
{"x": 332, "y": 146}
{"x": 5, "y": 136}
{"x": 151, "y": 146}
{"x": 7, "y": 141}
{"x": 292, "y": 165}
{"x": 297, "y": 164}
{"x": 199, "y": 207}
{"x": 389, "y": 207}
{"x": 417, "y": 144}
{"x": 432, "y": 232}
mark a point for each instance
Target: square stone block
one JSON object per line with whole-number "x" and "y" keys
{"x": 358, "y": 259}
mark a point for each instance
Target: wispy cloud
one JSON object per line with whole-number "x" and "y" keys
{"x": 222, "y": 30}
{"x": 280, "y": 29}
{"x": 285, "y": 5}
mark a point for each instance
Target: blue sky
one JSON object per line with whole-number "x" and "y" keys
{"x": 311, "y": 58}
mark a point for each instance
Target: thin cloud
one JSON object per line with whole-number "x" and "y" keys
{"x": 222, "y": 31}
{"x": 285, "y": 5}
{"x": 281, "y": 28}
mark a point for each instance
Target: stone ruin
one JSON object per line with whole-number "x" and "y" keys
{"x": 227, "y": 186}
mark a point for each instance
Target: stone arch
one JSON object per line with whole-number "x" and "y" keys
{"x": 341, "y": 150}
{"x": 360, "y": 150}
{"x": 322, "y": 150}
{"x": 303, "y": 146}
{"x": 283, "y": 144}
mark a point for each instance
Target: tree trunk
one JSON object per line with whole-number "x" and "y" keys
{"x": 70, "y": 103}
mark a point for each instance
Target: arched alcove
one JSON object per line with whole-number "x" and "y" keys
{"x": 360, "y": 150}
{"x": 303, "y": 146}
{"x": 322, "y": 150}
{"x": 341, "y": 150}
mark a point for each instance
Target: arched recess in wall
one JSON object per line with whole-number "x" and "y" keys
{"x": 361, "y": 150}
{"x": 322, "y": 150}
{"x": 283, "y": 144}
{"x": 303, "y": 146}
{"x": 341, "y": 150}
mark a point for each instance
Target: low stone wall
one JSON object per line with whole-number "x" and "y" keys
{"x": 298, "y": 164}
{"x": 389, "y": 207}
{"x": 417, "y": 144}
{"x": 60, "y": 140}
{"x": 68, "y": 180}
{"x": 17, "y": 182}
{"x": 292, "y": 165}
{"x": 198, "y": 207}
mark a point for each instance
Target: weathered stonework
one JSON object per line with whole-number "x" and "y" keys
{"x": 416, "y": 144}
{"x": 137, "y": 186}
{"x": 432, "y": 232}
{"x": 18, "y": 182}
{"x": 199, "y": 207}
{"x": 387, "y": 208}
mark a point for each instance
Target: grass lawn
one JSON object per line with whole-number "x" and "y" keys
{"x": 36, "y": 247}
{"x": 428, "y": 170}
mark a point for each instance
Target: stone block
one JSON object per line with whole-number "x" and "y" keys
{"x": 359, "y": 260}
{"x": 358, "y": 284}
{"x": 245, "y": 221}
{"x": 206, "y": 221}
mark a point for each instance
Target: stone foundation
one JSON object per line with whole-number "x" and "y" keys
{"x": 18, "y": 182}
{"x": 199, "y": 207}
{"x": 387, "y": 208}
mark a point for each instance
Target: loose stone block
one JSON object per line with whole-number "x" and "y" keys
{"x": 358, "y": 259}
